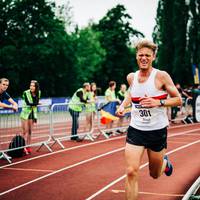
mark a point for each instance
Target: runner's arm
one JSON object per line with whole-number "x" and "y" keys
{"x": 175, "y": 97}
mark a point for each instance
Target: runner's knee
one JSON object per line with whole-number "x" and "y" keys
{"x": 132, "y": 171}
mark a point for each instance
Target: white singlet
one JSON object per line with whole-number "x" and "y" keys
{"x": 147, "y": 118}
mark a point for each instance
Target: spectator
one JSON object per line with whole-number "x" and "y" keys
{"x": 110, "y": 96}
{"x": 185, "y": 96}
{"x": 4, "y": 83}
{"x": 91, "y": 107}
{"x": 78, "y": 100}
{"x": 28, "y": 115}
{"x": 121, "y": 94}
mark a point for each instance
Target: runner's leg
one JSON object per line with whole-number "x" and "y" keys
{"x": 133, "y": 157}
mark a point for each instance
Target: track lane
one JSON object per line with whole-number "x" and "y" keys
{"x": 165, "y": 188}
{"x": 77, "y": 168}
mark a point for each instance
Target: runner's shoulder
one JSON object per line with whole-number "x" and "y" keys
{"x": 130, "y": 78}
{"x": 162, "y": 75}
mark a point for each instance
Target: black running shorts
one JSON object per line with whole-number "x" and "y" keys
{"x": 155, "y": 140}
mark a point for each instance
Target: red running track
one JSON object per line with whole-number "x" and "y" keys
{"x": 96, "y": 171}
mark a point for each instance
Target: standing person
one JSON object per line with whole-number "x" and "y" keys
{"x": 91, "y": 107}
{"x": 28, "y": 115}
{"x": 149, "y": 90}
{"x": 185, "y": 96}
{"x": 4, "y": 83}
{"x": 121, "y": 94}
{"x": 110, "y": 96}
{"x": 78, "y": 100}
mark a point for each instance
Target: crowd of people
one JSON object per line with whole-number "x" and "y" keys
{"x": 28, "y": 115}
{"x": 85, "y": 98}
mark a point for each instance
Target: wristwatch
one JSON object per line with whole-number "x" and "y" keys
{"x": 162, "y": 102}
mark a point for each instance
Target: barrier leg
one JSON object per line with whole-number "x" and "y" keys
{"x": 6, "y": 157}
{"x": 46, "y": 145}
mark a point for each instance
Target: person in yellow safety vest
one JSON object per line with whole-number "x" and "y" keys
{"x": 110, "y": 96}
{"x": 28, "y": 114}
{"x": 76, "y": 104}
{"x": 90, "y": 108}
{"x": 121, "y": 94}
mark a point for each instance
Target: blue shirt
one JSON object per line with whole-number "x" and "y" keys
{"x": 4, "y": 96}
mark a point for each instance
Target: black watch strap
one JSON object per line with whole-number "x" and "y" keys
{"x": 162, "y": 102}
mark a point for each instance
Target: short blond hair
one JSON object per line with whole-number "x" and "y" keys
{"x": 4, "y": 79}
{"x": 146, "y": 43}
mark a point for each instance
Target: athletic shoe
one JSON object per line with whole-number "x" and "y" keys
{"x": 120, "y": 132}
{"x": 169, "y": 167}
{"x": 26, "y": 152}
{"x": 79, "y": 139}
{"x": 109, "y": 133}
{"x": 76, "y": 139}
{"x": 29, "y": 149}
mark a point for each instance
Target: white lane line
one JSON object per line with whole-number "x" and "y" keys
{"x": 142, "y": 166}
{"x": 61, "y": 170}
{"x": 151, "y": 193}
{"x": 193, "y": 134}
{"x": 183, "y": 125}
{"x": 30, "y": 170}
{"x": 177, "y": 142}
{"x": 63, "y": 150}
{"x": 74, "y": 165}
{"x": 85, "y": 145}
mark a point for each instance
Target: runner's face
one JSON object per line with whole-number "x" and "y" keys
{"x": 32, "y": 87}
{"x": 4, "y": 85}
{"x": 145, "y": 57}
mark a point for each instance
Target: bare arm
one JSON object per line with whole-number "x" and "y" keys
{"x": 175, "y": 97}
{"x": 14, "y": 104}
{"x": 127, "y": 101}
{"x": 166, "y": 83}
{"x": 3, "y": 105}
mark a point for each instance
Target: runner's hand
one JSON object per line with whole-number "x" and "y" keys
{"x": 149, "y": 102}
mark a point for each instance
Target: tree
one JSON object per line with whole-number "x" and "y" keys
{"x": 163, "y": 34}
{"x": 34, "y": 46}
{"x": 181, "y": 70}
{"x": 170, "y": 33}
{"x": 89, "y": 55}
{"x": 194, "y": 32}
{"x": 116, "y": 32}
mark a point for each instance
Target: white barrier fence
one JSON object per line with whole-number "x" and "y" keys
{"x": 54, "y": 125}
{"x": 61, "y": 124}
{"x": 11, "y": 125}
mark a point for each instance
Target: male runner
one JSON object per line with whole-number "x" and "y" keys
{"x": 151, "y": 91}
